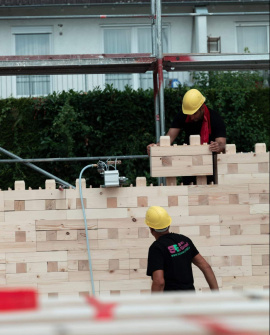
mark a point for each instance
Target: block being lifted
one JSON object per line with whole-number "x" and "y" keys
{"x": 180, "y": 160}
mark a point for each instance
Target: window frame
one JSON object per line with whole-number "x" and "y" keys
{"x": 252, "y": 24}
{"x": 134, "y": 43}
{"x": 24, "y": 30}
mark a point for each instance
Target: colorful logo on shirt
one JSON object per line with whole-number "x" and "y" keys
{"x": 178, "y": 249}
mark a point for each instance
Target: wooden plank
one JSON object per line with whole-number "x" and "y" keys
{"x": 180, "y": 150}
{"x": 32, "y": 278}
{"x": 65, "y": 245}
{"x": 244, "y": 239}
{"x": 248, "y": 168}
{"x": 35, "y": 205}
{"x": 64, "y": 224}
{"x": 258, "y": 188}
{"x": 17, "y": 247}
{"x": 97, "y": 213}
{"x": 67, "y": 287}
{"x": 17, "y": 226}
{"x": 260, "y": 270}
{"x": 175, "y": 170}
{"x": 124, "y": 243}
{"x": 245, "y": 281}
{"x": 230, "y": 250}
{"x": 126, "y": 284}
{"x": 255, "y": 219}
{"x": 35, "y": 194}
{"x": 33, "y": 257}
{"x": 223, "y": 271}
{"x": 104, "y": 255}
{"x": 206, "y": 241}
{"x": 253, "y": 178}
{"x": 243, "y": 158}
{"x": 260, "y": 249}
{"x": 259, "y": 209}
{"x": 26, "y": 216}
{"x": 218, "y": 209}
{"x": 108, "y": 275}
{"x": 217, "y": 190}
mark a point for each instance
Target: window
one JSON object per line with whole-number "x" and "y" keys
{"x": 127, "y": 39}
{"x": 32, "y": 41}
{"x": 118, "y": 41}
{"x": 213, "y": 44}
{"x": 252, "y": 37}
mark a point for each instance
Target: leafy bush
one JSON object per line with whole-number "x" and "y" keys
{"x": 118, "y": 123}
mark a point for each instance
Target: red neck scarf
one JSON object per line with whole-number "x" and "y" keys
{"x": 206, "y": 125}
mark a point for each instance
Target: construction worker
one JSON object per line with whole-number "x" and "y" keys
{"x": 170, "y": 257}
{"x": 197, "y": 119}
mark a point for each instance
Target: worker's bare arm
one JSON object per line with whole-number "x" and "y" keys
{"x": 173, "y": 133}
{"x": 219, "y": 145}
{"x": 158, "y": 283}
{"x": 206, "y": 269}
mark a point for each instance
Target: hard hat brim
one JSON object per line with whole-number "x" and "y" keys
{"x": 161, "y": 227}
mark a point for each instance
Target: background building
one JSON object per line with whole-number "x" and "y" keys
{"x": 57, "y": 27}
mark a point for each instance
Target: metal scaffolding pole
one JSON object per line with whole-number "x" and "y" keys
{"x": 159, "y": 57}
{"x": 113, "y": 16}
{"x": 32, "y": 166}
{"x": 160, "y": 67}
{"x": 70, "y": 159}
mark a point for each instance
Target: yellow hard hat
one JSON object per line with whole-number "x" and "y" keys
{"x": 192, "y": 101}
{"x": 157, "y": 218}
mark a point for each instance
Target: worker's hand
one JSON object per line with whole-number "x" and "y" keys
{"x": 214, "y": 146}
{"x": 149, "y": 146}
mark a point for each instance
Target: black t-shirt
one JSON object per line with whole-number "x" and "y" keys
{"x": 218, "y": 128}
{"x": 173, "y": 253}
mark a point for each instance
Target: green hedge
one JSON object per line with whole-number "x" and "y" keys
{"x": 109, "y": 123}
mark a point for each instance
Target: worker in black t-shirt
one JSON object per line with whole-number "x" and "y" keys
{"x": 197, "y": 119}
{"x": 170, "y": 257}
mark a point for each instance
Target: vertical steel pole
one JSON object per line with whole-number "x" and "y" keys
{"x": 155, "y": 74}
{"x": 153, "y": 27}
{"x": 156, "y": 102}
{"x": 155, "y": 77}
{"x": 160, "y": 74}
{"x": 160, "y": 67}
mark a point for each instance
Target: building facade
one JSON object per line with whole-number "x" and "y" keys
{"x": 52, "y": 27}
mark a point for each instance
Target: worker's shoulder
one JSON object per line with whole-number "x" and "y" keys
{"x": 214, "y": 113}
{"x": 175, "y": 236}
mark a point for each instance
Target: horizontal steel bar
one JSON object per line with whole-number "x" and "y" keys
{"x": 112, "y": 16}
{"x": 136, "y": 2}
{"x": 36, "y": 168}
{"x": 139, "y": 2}
{"x": 76, "y": 64}
{"x": 71, "y": 159}
{"x": 208, "y": 62}
{"x": 123, "y": 63}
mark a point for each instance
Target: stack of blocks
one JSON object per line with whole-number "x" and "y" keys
{"x": 43, "y": 242}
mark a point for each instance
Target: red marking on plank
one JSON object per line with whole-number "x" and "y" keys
{"x": 178, "y": 58}
{"x": 104, "y": 311}
{"x": 216, "y": 327}
{"x": 18, "y": 300}
{"x": 103, "y": 16}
